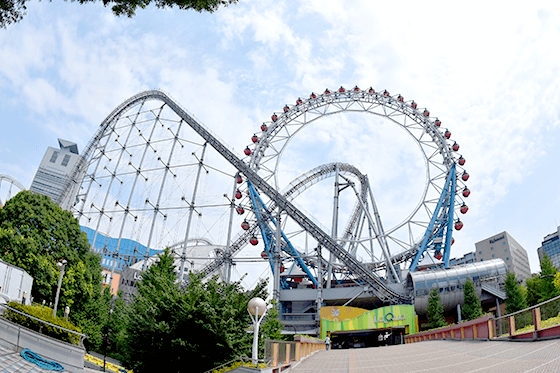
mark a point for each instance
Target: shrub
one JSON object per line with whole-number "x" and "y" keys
{"x": 45, "y": 314}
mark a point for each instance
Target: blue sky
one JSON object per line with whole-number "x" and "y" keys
{"x": 489, "y": 71}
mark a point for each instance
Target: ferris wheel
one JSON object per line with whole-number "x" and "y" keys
{"x": 424, "y": 235}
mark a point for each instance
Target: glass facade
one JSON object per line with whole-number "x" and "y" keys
{"x": 551, "y": 247}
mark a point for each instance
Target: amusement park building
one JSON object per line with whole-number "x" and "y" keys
{"x": 54, "y": 172}
{"x": 504, "y": 246}
{"x": 551, "y": 247}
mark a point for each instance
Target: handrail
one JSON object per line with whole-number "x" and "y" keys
{"x": 528, "y": 308}
{"x": 82, "y": 336}
{"x": 240, "y": 358}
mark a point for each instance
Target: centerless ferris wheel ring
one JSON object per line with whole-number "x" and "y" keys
{"x": 444, "y": 190}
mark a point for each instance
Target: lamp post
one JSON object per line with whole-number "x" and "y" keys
{"x": 61, "y": 264}
{"x": 256, "y": 308}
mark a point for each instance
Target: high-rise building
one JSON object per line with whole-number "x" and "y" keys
{"x": 503, "y": 245}
{"x": 551, "y": 247}
{"x": 55, "y": 171}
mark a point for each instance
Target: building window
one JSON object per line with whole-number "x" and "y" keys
{"x": 507, "y": 258}
{"x": 480, "y": 252}
{"x": 66, "y": 160}
{"x": 54, "y": 156}
{"x": 491, "y": 247}
{"x": 493, "y": 255}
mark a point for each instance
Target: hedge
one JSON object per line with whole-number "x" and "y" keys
{"x": 45, "y": 314}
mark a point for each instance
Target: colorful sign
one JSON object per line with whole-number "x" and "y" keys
{"x": 352, "y": 318}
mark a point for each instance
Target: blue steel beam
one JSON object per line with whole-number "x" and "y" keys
{"x": 259, "y": 206}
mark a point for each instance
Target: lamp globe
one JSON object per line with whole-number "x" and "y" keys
{"x": 256, "y": 303}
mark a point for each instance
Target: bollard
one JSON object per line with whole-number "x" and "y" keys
{"x": 275, "y": 354}
{"x": 298, "y": 351}
{"x": 511, "y": 326}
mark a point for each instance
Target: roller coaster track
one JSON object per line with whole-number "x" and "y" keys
{"x": 375, "y": 283}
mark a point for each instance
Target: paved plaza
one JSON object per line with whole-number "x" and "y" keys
{"x": 440, "y": 356}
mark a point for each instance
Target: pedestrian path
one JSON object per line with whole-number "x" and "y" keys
{"x": 440, "y": 356}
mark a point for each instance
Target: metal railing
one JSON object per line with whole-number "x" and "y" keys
{"x": 245, "y": 361}
{"x": 81, "y": 336}
{"x": 530, "y": 319}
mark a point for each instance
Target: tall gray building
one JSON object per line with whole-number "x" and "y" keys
{"x": 551, "y": 247}
{"x": 503, "y": 245}
{"x": 55, "y": 171}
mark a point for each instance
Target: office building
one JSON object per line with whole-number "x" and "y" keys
{"x": 504, "y": 246}
{"x": 551, "y": 247}
{"x": 54, "y": 173}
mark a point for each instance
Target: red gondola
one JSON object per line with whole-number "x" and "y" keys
{"x": 253, "y": 241}
{"x": 255, "y": 139}
{"x": 466, "y": 192}
{"x": 327, "y": 91}
{"x": 452, "y": 240}
{"x": 356, "y": 89}
{"x": 426, "y": 113}
{"x": 438, "y": 122}
{"x": 464, "y": 208}
{"x": 438, "y": 255}
{"x": 447, "y": 134}
{"x": 239, "y": 179}
{"x": 240, "y": 210}
{"x": 386, "y": 93}
{"x": 274, "y": 117}
{"x": 400, "y": 98}
{"x": 264, "y": 127}
{"x": 238, "y": 194}
{"x": 414, "y": 105}
{"x": 461, "y": 161}
{"x": 455, "y": 146}
{"x": 371, "y": 90}
{"x": 264, "y": 255}
{"x": 465, "y": 176}
{"x": 341, "y": 89}
{"x": 299, "y": 101}
{"x": 245, "y": 225}
{"x": 247, "y": 151}
{"x": 282, "y": 268}
{"x": 286, "y": 109}
{"x": 458, "y": 225}
{"x": 312, "y": 95}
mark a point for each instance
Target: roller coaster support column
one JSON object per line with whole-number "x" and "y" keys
{"x": 277, "y": 251}
{"x": 191, "y": 210}
{"x": 319, "y": 282}
{"x": 334, "y": 232}
{"x": 227, "y": 254}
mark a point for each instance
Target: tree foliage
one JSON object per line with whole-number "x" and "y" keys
{"x": 515, "y": 297}
{"x": 471, "y": 307}
{"x": 547, "y": 289}
{"x": 435, "y": 310}
{"x": 191, "y": 329}
{"x": 35, "y": 234}
{"x": 12, "y": 11}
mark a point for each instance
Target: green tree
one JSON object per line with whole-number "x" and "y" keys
{"x": 12, "y": 11}
{"x": 546, "y": 288}
{"x": 35, "y": 234}
{"x": 515, "y": 298}
{"x": 533, "y": 284}
{"x": 435, "y": 310}
{"x": 191, "y": 329}
{"x": 471, "y": 307}
{"x": 271, "y": 327}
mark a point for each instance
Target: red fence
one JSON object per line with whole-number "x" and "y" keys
{"x": 480, "y": 328}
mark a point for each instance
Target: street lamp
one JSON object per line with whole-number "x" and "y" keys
{"x": 61, "y": 264}
{"x": 256, "y": 308}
